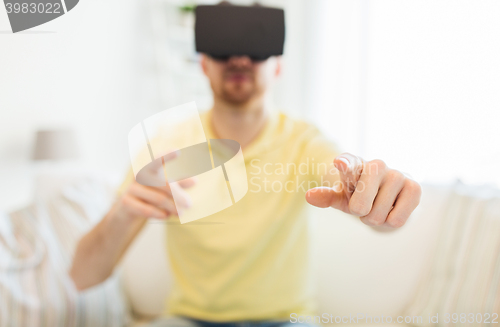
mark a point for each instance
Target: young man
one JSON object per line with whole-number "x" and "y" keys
{"x": 251, "y": 263}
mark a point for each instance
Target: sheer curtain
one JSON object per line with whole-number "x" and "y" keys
{"x": 413, "y": 83}
{"x": 336, "y": 71}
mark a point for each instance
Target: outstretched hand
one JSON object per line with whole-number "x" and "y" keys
{"x": 379, "y": 195}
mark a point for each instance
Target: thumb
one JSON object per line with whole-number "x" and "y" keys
{"x": 157, "y": 164}
{"x": 187, "y": 183}
{"x": 324, "y": 197}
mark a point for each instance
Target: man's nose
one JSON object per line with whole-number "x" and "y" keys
{"x": 240, "y": 61}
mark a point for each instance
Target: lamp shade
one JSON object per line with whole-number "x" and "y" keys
{"x": 55, "y": 145}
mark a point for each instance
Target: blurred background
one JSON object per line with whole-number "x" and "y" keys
{"x": 415, "y": 83}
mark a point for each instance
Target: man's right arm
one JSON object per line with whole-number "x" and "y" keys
{"x": 99, "y": 251}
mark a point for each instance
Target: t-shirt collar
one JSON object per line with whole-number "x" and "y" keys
{"x": 262, "y": 143}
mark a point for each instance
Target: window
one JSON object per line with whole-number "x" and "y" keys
{"x": 415, "y": 83}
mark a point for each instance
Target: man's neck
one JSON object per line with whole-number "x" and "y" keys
{"x": 241, "y": 123}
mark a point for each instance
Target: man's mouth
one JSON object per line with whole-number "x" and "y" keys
{"x": 237, "y": 77}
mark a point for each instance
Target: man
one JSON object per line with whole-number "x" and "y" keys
{"x": 250, "y": 263}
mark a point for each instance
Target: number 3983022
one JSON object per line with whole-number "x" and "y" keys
{"x": 27, "y": 7}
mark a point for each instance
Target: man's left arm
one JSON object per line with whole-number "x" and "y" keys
{"x": 382, "y": 197}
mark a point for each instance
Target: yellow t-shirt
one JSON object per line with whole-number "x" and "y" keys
{"x": 251, "y": 260}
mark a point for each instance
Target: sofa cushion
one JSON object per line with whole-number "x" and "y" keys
{"x": 146, "y": 272}
{"x": 356, "y": 269}
{"x": 36, "y": 250}
{"x": 360, "y": 270}
{"x": 464, "y": 274}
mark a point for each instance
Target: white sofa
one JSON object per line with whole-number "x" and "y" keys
{"x": 358, "y": 270}
{"x": 446, "y": 259}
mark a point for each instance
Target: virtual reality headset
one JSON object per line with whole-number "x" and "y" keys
{"x": 222, "y": 31}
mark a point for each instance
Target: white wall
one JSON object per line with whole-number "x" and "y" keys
{"x": 75, "y": 71}
{"x": 94, "y": 70}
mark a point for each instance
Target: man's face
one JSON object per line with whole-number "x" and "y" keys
{"x": 239, "y": 79}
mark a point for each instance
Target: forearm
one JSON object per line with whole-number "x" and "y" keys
{"x": 99, "y": 251}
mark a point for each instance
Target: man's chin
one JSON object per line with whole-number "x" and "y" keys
{"x": 238, "y": 101}
{"x": 238, "y": 98}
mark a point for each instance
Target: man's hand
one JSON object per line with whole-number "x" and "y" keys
{"x": 380, "y": 196}
{"x": 151, "y": 201}
{"x": 99, "y": 250}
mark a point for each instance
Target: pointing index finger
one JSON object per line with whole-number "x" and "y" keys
{"x": 350, "y": 168}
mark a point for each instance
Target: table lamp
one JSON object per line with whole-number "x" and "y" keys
{"x": 55, "y": 145}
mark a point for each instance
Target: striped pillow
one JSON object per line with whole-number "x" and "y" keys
{"x": 464, "y": 276}
{"x": 36, "y": 248}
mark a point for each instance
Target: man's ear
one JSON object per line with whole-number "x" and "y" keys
{"x": 277, "y": 71}
{"x": 203, "y": 63}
